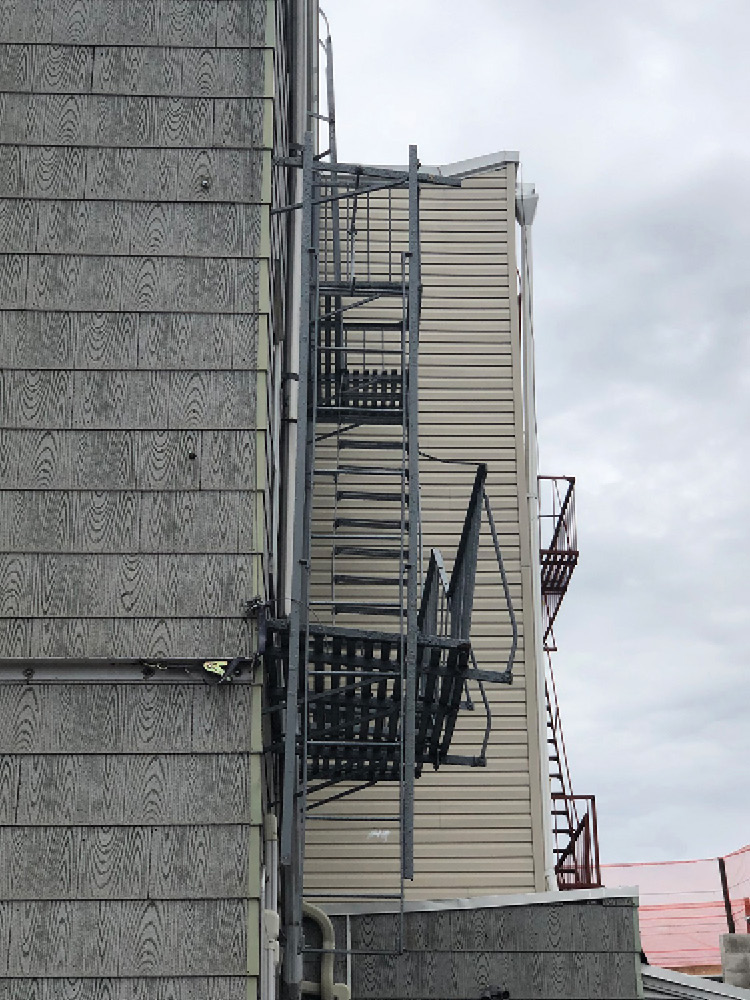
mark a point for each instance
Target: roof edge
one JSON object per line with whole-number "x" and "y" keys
{"x": 629, "y": 893}
{"x": 477, "y": 164}
{"x": 466, "y": 168}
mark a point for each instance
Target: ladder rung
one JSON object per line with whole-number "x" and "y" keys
{"x": 364, "y": 495}
{"x": 387, "y": 416}
{"x": 367, "y": 609}
{"x": 369, "y": 522}
{"x": 364, "y": 550}
{"x": 351, "y": 818}
{"x": 363, "y": 470}
{"x": 371, "y": 445}
{"x": 357, "y": 288}
{"x": 374, "y": 325}
{"x": 367, "y": 581}
{"x": 328, "y": 602}
{"x": 360, "y": 353}
{"x": 354, "y": 744}
{"x": 342, "y": 537}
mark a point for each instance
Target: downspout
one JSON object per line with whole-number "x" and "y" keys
{"x": 290, "y": 390}
{"x": 305, "y": 104}
{"x": 526, "y": 203}
{"x": 271, "y": 920}
{"x": 326, "y": 989}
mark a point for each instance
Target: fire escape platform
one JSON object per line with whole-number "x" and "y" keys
{"x": 354, "y": 698}
{"x": 557, "y": 569}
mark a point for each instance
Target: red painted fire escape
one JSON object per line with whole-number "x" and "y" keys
{"x": 576, "y": 845}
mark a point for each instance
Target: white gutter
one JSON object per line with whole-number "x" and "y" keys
{"x": 526, "y": 203}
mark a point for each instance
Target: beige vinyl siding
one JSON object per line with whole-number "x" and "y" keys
{"x": 477, "y": 830}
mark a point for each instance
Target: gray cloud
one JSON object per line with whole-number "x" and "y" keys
{"x": 632, "y": 120}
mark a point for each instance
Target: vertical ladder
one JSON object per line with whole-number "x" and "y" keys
{"x": 359, "y": 334}
{"x": 356, "y": 504}
{"x": 365, "y": 460}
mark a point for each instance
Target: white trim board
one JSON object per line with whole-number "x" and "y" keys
{"x": 664, "y": 982}
{"x": 629, "y": 893}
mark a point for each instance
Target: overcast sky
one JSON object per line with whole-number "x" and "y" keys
{"x": 631, "y": 117}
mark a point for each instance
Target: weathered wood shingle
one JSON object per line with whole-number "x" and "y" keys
{"x": 135, "y": 177}
{"x": 130, "y": 834}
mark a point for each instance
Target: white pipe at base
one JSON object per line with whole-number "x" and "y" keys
{"x": 326, "y": 989}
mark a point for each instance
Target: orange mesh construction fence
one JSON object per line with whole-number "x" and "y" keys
{"x": 682, "y": 911}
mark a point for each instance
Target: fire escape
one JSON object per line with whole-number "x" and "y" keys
{"x": 576, "y": 846}
{"x": 366, "y": 675}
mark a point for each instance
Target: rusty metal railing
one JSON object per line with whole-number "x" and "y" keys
{"x": 558, "y": 546}
{"x": 574, "y": 830}
{"x": 577, "y": 855}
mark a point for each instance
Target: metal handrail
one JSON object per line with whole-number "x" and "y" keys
{"x": 436, "y": 603}
{"x": 563, "y": 513}
{"x": 447, "y": 605}
{"x": 550, "y": 691}
{"x": 459, "y": 592}
{"x": 506, "y": 591}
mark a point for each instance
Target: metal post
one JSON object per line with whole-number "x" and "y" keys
{"x": 339, "y": 360}
{"x": 506, "y": 590}
{"x": 409, "y": 701}
{"x": 291, "y": 848}
{"x": 725, "y": 893}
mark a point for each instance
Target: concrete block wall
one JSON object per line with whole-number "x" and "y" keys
{"x": 735, "y": 959}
